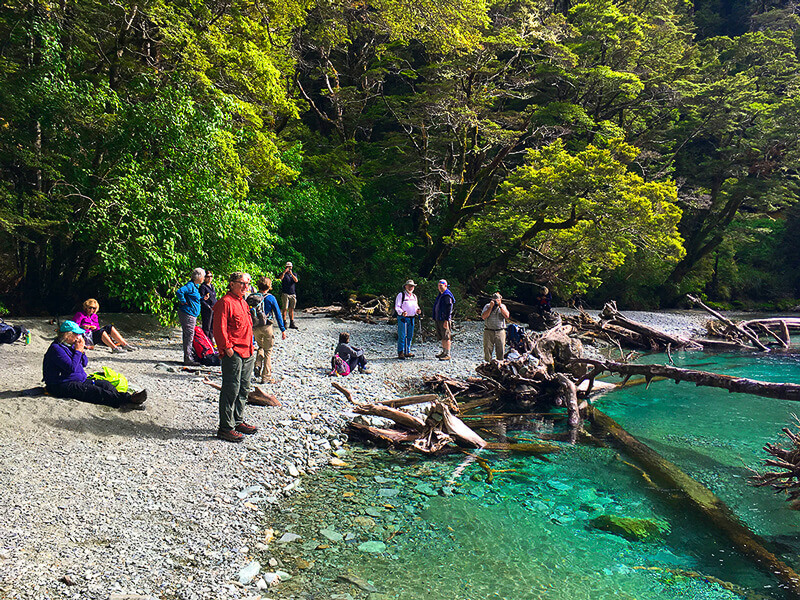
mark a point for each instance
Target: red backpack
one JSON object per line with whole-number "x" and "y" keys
{"x": 201, "y": 345}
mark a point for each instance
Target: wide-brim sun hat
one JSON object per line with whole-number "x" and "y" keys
{"x": 410, "y": 282}
{"x": 70, "y": 326}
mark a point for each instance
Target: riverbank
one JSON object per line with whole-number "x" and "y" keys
{"x": 97, "y": 502}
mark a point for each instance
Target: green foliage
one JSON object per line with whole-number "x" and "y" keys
{"x": 572, "y": 217}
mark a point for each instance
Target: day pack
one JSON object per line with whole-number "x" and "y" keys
{"x": 10, "y": 333}
{"x": 257, "y": 314}
{"x": 204, "y": 349}
{"x": 118, "y": 380}
{"x": 339, "y": 368}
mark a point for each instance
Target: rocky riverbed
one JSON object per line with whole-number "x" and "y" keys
{"x": 98, "y": 503}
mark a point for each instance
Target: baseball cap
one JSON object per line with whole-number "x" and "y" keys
{"x": 70, "y": 326}
{"x": 288, "y": 264}
{"x": 443, "y": 282}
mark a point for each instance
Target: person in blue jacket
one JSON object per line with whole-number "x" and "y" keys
{"x": 443, "y": 308}
{"x": 264, "y": 333}
{"x": 64, "y": 374}
{"x": 188, "y": 310}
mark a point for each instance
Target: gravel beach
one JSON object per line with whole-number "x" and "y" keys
{"x": 98, "y": 503}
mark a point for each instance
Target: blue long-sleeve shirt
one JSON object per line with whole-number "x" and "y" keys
{"x": 443, "y": 306}
{"x": 62, "y": 364}
{"x": 271, "y": 306}
{"x": 189, "y": 298}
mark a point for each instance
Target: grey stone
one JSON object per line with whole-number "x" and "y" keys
{"x": 331, "y": 534}
{"x": 289, "y": 537}
{"x": 372, "y": 547}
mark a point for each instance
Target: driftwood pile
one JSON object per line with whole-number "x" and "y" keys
{"x": 365, "y": 308}
{"x": 614, "y": 327}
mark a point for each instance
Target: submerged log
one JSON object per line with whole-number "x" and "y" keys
{"x": 750, "y": 336}
{"x": 699, "y": 497}
{"x": 742, "y": 385}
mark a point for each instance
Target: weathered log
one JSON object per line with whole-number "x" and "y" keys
{"x": 742, "y": 385}
{"x": 761, "y": 327}
{"x": 380, "y": 436}
{"x": 612, "y": 315}
{"x": 786, "y": 479}
{"x": 257, "y": 397}
{"x": 753, "y": 338}
{"x": 409, "y": 400}
{"x": 526, "y": 447}
{"x": 466, "y": 407}
{"x": 398, "y": 416}
{"x": 703, "y": 500}
{"x": 459, "y": 430}
{"x": 347, "y": 393}
{"x": 568, "y": 394}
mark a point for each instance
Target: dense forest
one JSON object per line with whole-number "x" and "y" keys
{"x": 609, "y": 148}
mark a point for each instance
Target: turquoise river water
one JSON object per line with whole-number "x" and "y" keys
{"x": 408, "y": 527}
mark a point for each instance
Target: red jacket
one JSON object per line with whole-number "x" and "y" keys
{"x": 233, "y": 327}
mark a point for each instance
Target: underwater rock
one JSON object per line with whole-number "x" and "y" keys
{"x": 425, "y": 488}
{"x": 372, "y": 547}
{"x": 289, "y": 537}
{"x": 373, "y": 512}
{"x": 388, "y": 492}
{"x": 635, "y": 530}
{"x": 357, "y": 581}
{"x": 332, "y": 534}
{"x": 559, "y": 485}
{"x": 364, "y": 522}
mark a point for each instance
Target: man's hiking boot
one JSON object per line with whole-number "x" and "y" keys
{"x": 246, "y": 428}
{"x": 443, "y": 356}
{"x": 230, "y": 435}
{"x": 130, "y": 348}
{"x": 401, "y": 356}
{"x": 409, "y": 355}
{"x": 292, "y": 325}
{"x": 138, "y": 398}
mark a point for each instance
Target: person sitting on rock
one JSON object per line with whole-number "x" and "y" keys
{"x": 87, "y": 319}
{"x": 354, "y": 357}
{"x": 63, "y": 370}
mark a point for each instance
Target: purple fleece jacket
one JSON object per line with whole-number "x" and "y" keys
{"x": 63, "y": 363}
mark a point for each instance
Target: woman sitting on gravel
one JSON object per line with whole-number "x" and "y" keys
{"x": 354, "y": 357}
{"x": 87, "y": 319}
{"x": 64, "y": 374}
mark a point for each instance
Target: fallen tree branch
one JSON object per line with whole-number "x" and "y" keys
{"x": 347, "y": 393}
{"x": 742, "y": 385}
{"x": 753, "y": 338}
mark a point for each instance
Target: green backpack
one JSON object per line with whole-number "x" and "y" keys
{"x": 118, "y": 380}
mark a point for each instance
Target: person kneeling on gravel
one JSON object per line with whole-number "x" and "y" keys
{"x": 64, "y": 372}
{"x": 354, "y": 357}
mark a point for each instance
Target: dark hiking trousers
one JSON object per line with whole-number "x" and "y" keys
{"x": 95, "y": 392}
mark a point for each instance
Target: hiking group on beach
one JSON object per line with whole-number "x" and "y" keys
{"x": 241, "y": 326}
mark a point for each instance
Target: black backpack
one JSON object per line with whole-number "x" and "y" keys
{"x": 10, "y": 333}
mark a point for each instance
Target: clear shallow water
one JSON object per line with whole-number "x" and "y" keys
{"x": 450, "y": 535}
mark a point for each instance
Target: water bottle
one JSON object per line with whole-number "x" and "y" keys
{"x": 27, "y": 337}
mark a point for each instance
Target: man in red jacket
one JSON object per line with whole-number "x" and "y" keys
{"x": 233, "y": 331}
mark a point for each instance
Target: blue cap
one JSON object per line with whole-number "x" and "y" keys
{"x": 70, "y": 326}
{"x": 443, "y": 282}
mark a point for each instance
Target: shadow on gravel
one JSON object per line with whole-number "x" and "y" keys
{"x": 121, "y": 425}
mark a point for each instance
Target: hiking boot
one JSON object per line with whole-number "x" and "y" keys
{"x": 230, "y": 435}
{"x": 138, "y": 398}
{"x": 118, "y": 350}
{"x": 365, "y": 370}
{"x": 401, "y": 356}
{"x": 246, "y": 428}
{"x": 409, "y": 355}
{"x": 443, "y": 356}
{"x": 130, "y": 348}
{"x": 293, "y": 326}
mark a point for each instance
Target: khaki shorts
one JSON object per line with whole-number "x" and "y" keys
{"x": 442, "y": 332}
{"x": 288, "y": 302}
